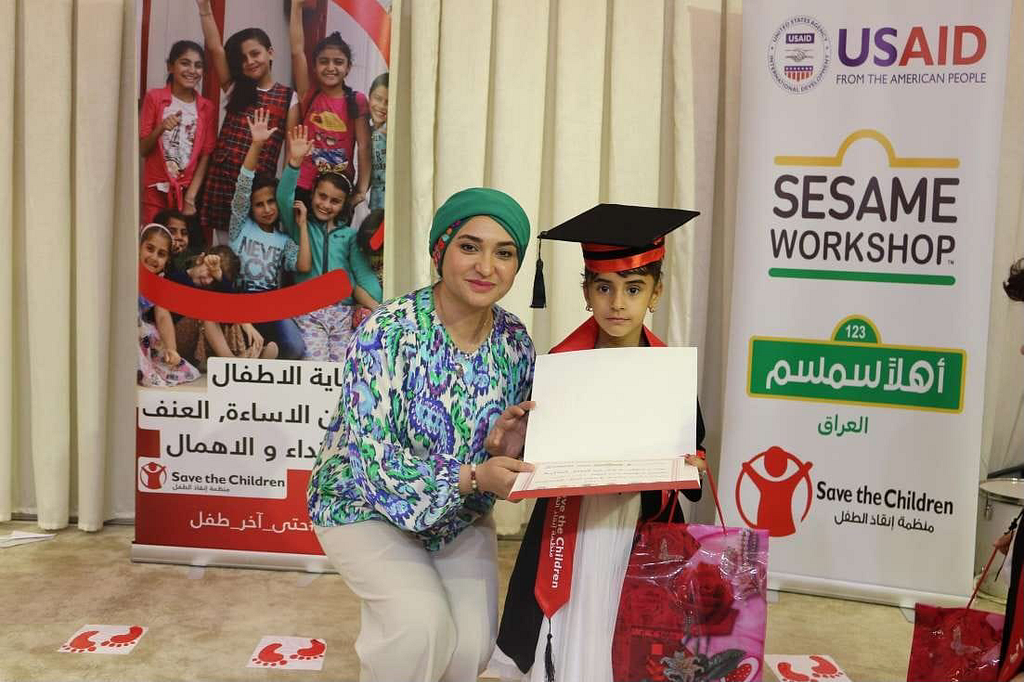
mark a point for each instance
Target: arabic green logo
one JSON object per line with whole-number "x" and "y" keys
{"x": 854, "y": 367}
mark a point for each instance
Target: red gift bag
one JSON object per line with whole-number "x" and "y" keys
{"x": 693, "y": 605}
{"x": 956, "y": 644}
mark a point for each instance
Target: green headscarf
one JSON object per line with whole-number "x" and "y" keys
{"x": 473, "y": 202}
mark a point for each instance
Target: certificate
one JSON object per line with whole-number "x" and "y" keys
{"x": 611, "y": 420}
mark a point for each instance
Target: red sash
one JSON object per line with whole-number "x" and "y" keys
{"x": 554, "y": 570}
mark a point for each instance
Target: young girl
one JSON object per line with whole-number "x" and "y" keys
{"x": 201, "y": 339}
{"x": 326, "y": 332}
{"x": 243, "y": 67}
{"x": 620, "y": 285}
{"x": 378, "y": 138}
{"x": 370, "y": 243}
{"x": 335, "y": 114}
{"x": 177, "y": 132}
{"x": 263, "y": 251}
{"x": 159, "y": 362}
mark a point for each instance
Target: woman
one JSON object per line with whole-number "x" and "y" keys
{"x": 428, "y": 433}
{"x": 1011, "y": 653}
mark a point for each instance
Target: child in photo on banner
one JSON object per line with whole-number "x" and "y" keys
{"x": 199, "y": 340}
{"x": 370, "y": 242}
{"x": 185, "y": 245}
{"x": 334, "y": 113}
{"x": 619, "y": 293}
{"x": 243, "y": 69}
{"x": 327, "y": 331}
{"x": 177, "y": 132}
{"x": 378, "y": 138}
{"x": 264, "y": 252}
{"x": 159, "y": 361}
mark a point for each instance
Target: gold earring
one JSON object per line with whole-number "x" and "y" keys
{"x": 651, "y": 308}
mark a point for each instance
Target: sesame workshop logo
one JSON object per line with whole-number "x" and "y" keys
{"x": 799, "y": 54}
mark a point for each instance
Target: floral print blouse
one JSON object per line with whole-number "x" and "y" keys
{"x": 414, "y": 409}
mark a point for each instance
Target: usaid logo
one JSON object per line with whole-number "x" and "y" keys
{"x": 799, "y": 54}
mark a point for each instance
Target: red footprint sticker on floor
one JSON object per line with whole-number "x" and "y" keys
{"x": 126, "y": 639}
{"x": 81, "y": 643}
{"x": 269, "y": 657}
{"x": 824, "y": 668}
{"x": 790, "y": 675}
{"x": 314, "y": 651}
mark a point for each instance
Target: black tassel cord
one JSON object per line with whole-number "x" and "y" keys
{"x": 549, "y": 662}
{"x": 540, "y": 298}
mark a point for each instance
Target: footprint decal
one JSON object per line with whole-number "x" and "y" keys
{"x": 125, "y": 639}
{"x": 269, "y": 657}
{"x": 790, "y": 675}
{"x": 81, "y": 643}
{"x": 314, "y": 651}
{"x": 824, "y": 668}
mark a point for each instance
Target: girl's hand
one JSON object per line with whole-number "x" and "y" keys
{"x": 171, "y": 122}
{"x": 172, "y": 358}
{"x": 188, "y": 206}
{"x": 204, "y": 6}
{"x": 508, "y": 435}
{"x": 299, "y": 145}
{"x": 498, "y": 474}
{"x": 356, "y": 198}
{"x": 300, "y": 213}
{"x": 258, "y": 126}
{"x": 1002, "y": 544}
{"x": 697, "y": 461}
{"x": 254, "y": 341}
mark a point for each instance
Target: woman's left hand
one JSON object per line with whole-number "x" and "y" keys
{"x": 508, "y": 435}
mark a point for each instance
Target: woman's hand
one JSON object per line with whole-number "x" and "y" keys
{"x": 508, "y": 434}
{"x": 1002, "y": 544}
{"x": 498, "y": 474}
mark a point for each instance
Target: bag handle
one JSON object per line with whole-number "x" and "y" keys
{"x": 982, "y": 578}
{"x": 669, "y": 496}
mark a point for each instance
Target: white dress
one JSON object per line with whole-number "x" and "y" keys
{"x": 582, "y": 630}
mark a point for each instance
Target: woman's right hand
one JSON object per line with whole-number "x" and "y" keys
{"x": 498, "y": 474}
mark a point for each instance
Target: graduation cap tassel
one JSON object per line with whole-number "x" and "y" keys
{"x": 549, "y": 661}
{"x": 540, "y": 298}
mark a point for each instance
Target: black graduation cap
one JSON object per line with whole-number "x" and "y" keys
{"x": 614, "y": 237}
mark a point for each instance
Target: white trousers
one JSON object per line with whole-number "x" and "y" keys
{"x": 426, "y": 616}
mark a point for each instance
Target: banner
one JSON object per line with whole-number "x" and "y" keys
{"x": 869, "y": 148}
{"x": 250, "y": 282}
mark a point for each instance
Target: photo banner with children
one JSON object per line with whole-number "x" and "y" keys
{"x": 263, "y": 137}
{"x": 869, "y": 151}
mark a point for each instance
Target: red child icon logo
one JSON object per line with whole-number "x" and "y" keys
{"x": 152, "y": 475}
{"x": 776, "y": 488}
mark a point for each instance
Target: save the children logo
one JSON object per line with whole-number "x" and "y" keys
{"x": 775, "y": 478}
{"x": 799, "y": 54}
{"x": 152, "y": 475}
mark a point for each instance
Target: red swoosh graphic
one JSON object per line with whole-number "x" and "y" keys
{"x": 374, "y": 20}
{"x": 267, "y": 306}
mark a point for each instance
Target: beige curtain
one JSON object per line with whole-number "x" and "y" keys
{"x": 67, "y": 87}
{"x": 562, "y": 103}
{"x": 565, "y": 103}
